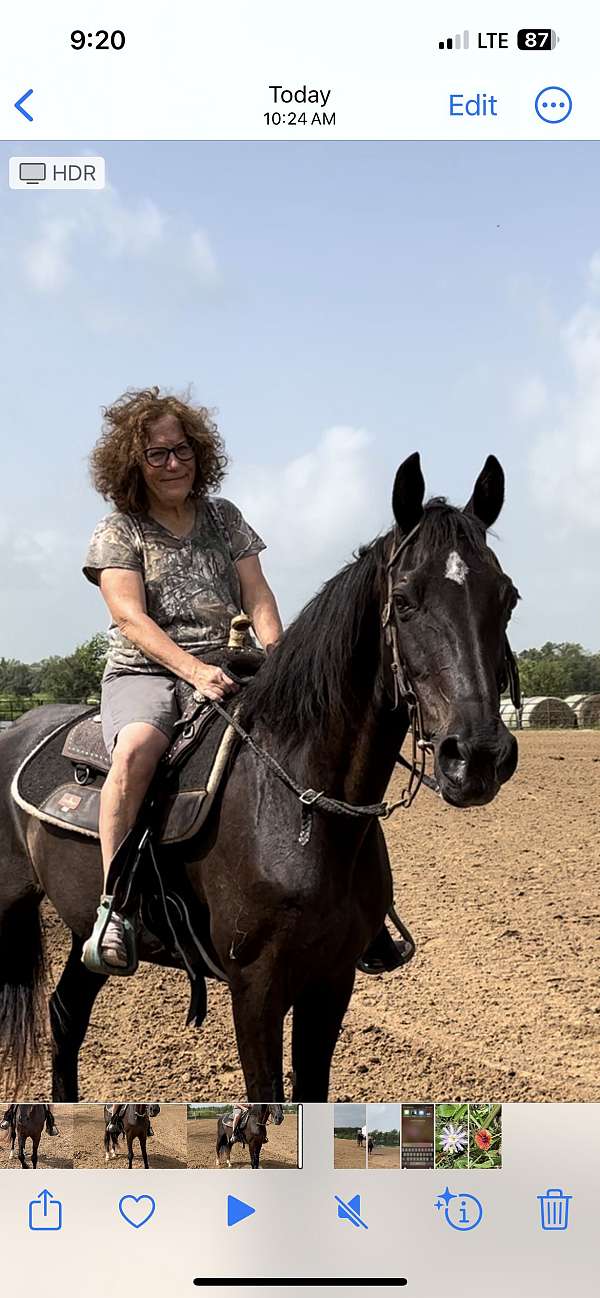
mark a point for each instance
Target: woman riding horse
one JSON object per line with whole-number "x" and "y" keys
{"x": 174, "y": 564}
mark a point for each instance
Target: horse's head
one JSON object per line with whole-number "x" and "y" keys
{"x": 276, "y": 1111}
{"x": 448, "y": 603}
{"x": 153, "y": 1110}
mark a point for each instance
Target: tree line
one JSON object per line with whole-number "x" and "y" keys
{"x": 70, "y": 679}
{"x": 556, "y": 669}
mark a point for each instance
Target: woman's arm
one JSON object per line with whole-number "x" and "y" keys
{"x": 123, "y": 591}
{"x": 259, "y": 602}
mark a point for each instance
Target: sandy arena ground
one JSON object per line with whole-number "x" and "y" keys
{"x": 384, "y": 1156}
{"x": 53, "y": 1151}
{"x": 501, "y": 1000}
{"x": 166, "y": 1148}
{"x": 281, "y": 1151}
{"x": 346, "y": 1153}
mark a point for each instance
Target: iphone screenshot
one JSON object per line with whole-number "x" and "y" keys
{"x": 299, "y": 649}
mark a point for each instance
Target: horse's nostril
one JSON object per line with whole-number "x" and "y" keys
{"x": 451, "y": 757}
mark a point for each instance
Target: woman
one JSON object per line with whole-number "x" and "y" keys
{"x": 174, "y": 564}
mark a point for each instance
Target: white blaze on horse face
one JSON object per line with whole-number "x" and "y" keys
{"x": 456, "y": 568}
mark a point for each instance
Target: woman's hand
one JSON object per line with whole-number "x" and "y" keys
{"x": 211, "y": 681}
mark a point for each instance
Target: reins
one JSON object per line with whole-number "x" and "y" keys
{"x": 403, "y": 692}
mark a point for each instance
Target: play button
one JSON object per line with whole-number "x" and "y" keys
{"x": 237, "y": 1210}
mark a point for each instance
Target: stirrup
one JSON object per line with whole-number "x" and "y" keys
{"x": 92, "y": 956}
{"x": 393, "y": 954}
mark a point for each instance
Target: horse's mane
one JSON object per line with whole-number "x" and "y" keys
{"x": 327, "y": 661}
{"x": 326, "y": 658}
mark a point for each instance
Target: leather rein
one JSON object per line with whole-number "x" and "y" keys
{"x": 404, "y": 693}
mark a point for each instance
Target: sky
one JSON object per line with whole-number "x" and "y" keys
{"x": 340, "y": 305}
{"x": 383, "y": 1117}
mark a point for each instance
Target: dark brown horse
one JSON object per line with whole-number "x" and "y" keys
{"x": 25, "y": 1122}
{"x": 21, "y": 1121}
{"x": 415, "y": 626}
{"x": 360, "y": 1140}
{"x": 251, "y": 1131}
{"x": 131, "y": 1121}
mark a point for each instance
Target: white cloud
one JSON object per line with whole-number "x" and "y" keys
{"x": 130, "y": 231}
{"x": 202, "y": 257}
{"x": 46, "y": 258}
{"x": 565, "y": 460}
{"x": 314, "y": 510}
{"x": 105, "y": 226}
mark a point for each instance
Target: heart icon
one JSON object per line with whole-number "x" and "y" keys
{"x": 137, "y": 1209}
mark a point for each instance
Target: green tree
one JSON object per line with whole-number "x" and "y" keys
{"x": 559, "y": 669}
{"x": 77, "y": 676}
{"x": 16, "y": 678}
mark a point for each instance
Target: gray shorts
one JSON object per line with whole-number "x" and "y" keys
{"x": 137, "y": 696}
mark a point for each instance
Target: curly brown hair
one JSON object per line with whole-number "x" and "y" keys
{"x": 115, "y": 462}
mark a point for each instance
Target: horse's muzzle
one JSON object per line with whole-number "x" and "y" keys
{"x": 471, "y": 768}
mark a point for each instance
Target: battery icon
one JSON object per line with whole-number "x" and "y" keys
{"x": 537, "y": 38}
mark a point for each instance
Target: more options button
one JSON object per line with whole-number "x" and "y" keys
{"x": 478, "y": 104}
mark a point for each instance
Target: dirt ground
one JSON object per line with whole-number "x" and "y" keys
{"x": 346, "y": 1153}
{"x": 501, "y": 1000}
{"x": 53, "y": 1151}
{"x": 166, "y": 1148}
{"x": 281, "y": 1151}
{"x": 384, "y": 1156}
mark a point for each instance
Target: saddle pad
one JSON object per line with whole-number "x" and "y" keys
{"x": 44, "y": 785}
{"x": 84, "y": 744}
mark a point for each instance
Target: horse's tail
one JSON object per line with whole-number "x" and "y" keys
{"x": 22, "y": 1000}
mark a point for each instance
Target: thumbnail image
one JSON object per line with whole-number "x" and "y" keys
{"x": 36, "y": 1135}
{"x": 383, "y": 1135}
{"x": 350, "y": 1135}
{"x": 451, "y": 1135}
{"x": 485, "y": 1135}
{"x": 123, "y": 1136}
{"x": 417, "y": 1135}
{"x": 240, "y": 1135}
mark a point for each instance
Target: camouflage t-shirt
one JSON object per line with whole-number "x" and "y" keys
{"x": 191, "y": 583}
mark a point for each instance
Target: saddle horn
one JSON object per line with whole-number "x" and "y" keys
{"x": 237, "y": 631}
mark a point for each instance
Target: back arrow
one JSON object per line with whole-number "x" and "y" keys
{"x": 19, "y": 105}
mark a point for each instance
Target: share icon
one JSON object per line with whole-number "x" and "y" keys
{"x": 350, "y": 1211}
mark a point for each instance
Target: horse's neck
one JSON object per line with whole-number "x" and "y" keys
{"x": 357, "y": 759}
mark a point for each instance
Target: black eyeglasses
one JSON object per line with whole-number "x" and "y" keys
{"x": 158, "y": 456}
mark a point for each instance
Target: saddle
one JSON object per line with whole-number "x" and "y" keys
{"x": 60, "y": 782}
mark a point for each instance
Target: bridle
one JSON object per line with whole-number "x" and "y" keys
{"x": 403, "y": 693}
{"x": 403, "y": 690}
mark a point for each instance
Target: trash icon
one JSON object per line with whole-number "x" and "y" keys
{"x": 554, "y": 1209}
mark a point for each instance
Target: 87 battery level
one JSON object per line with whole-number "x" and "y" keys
{"x": 536, "y": 38}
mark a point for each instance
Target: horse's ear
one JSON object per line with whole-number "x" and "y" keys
{"x": 408, "y": 494}
{"x": 488, "y": 493}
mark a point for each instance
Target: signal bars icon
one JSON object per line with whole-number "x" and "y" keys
{"x": 457, "y": 42}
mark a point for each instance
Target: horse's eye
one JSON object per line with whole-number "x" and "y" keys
{"x": 403, "y": 605}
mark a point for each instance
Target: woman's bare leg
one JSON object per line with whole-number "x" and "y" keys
{"x": 136, "y": 755}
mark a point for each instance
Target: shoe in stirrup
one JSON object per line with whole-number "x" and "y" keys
{"x": 385, "y": 955}
{"x": 111, "y": 933}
